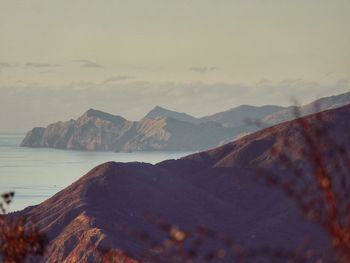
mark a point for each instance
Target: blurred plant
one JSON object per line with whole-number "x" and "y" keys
{"x": 6, "y": 199}
{"x": 201, "y": 245}
{"x": 322, "y": 188}
{"x": 19, "y": 240}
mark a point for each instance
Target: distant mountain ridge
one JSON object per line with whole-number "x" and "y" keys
{"x": 202, "y": 189}
{"x": 321, "y": 104}
{"x": 99, "y": 131}
{"x": 239, "y": 116}
{"x": 166, "y": 130}
{"x": 234, "y": 117}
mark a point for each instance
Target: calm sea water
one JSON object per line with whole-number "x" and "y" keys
{"x": 37, "y": 174}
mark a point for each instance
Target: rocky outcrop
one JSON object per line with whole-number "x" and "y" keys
{"x": 94, "y": 130}
{"x": 210, "y": 188}
{"x": 99, "y": 131}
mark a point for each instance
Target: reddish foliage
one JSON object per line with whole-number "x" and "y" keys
{"x": 19, "y": 240}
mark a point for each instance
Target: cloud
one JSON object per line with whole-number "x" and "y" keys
{"x": 118, "y": 78}
{"x": 203, "y": 69}
{"x": 87, "y": 63}
{"x": 47, "y": 71}
{"x": 41, "y": 65}
{"x": 28, "y": 65}
{"x": 5, "y": 65}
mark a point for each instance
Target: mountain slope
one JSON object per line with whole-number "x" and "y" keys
{"x": 169, "y": 134}
{"x": 322, "y": 104}
{"x": 239, "y": 116}
{"x": 201, "y": 189}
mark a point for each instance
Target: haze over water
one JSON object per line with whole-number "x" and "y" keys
{"x": 36, "y": 174}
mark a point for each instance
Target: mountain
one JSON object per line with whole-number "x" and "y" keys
{"x": 214, "y": 189}
{"x": 239, "y": 116}
{"x": 99, "y": 131}
{"x": 322, "y": 104}
{"x": 159, "y": 112}
{"x": 94, "y": 130}
{"x": 169, "y": 134}
{"x": 166, "y": 130}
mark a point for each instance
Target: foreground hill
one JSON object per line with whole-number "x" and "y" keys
{"x": 100, "y": 131}
{"x": 210, "y": 188}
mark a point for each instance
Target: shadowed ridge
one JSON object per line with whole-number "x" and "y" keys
{"x": 238, "y": 116}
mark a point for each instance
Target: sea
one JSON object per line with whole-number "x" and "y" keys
{"x": 36, "y": 174}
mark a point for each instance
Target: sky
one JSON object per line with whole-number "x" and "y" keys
{"x": 59, "y": 58}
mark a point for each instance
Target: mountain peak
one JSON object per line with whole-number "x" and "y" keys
{"x": 160, "y": 112}
{"x": 92, "y": 113}
{"x": 159, "y": 108}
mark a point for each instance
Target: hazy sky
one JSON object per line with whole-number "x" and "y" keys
{"x": 60, "y": 57}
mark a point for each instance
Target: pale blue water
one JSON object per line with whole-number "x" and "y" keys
{"x": 37, "y": 174}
